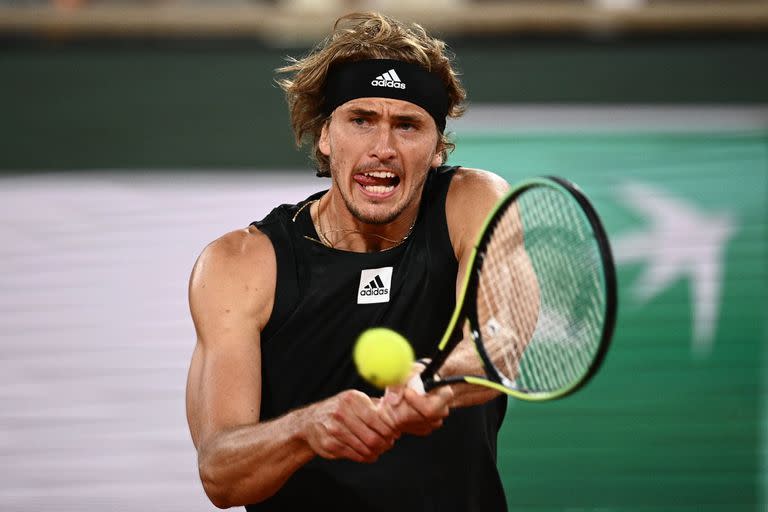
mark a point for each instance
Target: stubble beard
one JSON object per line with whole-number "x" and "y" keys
{"x": 376, "y": 219}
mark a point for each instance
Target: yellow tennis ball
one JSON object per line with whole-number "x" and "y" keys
{"x": 383, "y": 357}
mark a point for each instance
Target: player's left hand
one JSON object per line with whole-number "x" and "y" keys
{"x": 414, "y": 413}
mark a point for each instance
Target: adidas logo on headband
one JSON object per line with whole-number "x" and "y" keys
{"x": 388, "y": 79}
{"x": 349, "y": 80}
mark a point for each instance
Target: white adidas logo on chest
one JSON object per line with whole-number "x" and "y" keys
{"x": 375, "y": 284}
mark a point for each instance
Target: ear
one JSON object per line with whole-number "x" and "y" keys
{"x": 323, "y": 144}
{"x": 437, "y": 160}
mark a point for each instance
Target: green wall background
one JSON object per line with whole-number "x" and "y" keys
{"x": 671, "y": 423}
{"x": 203, "y": 105}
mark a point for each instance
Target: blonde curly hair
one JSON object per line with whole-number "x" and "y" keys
{"x": 362, "y": 36}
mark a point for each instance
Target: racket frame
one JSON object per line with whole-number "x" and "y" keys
{"x": 463, "y": 314}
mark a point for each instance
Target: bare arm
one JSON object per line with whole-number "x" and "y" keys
{"x": 472, "y": 196}
{"x": 241, "y": 459}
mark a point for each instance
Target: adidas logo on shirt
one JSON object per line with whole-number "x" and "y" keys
{"x": 375, "y": 284}
{"x": 388, "y": 79}
{"x": 375, "y": 287}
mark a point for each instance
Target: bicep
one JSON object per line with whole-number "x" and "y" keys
{"x": 223, "y": 387}
{"x": 472, "y": 196}
{"x": 470, "y": 199}
{"x": 229, "y": 304}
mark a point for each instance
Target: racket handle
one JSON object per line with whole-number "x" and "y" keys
{"x": 417, "y": 384}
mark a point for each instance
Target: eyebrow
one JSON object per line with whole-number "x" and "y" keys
{"x": 363, "y": 112}
{"x": 414, "y": 117}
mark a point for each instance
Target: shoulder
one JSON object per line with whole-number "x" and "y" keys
{"x": 472, "y": 195}
{"x": 237, "y": 249}
{"x": 238, "y": 270}
{"x": 476, "y": 184}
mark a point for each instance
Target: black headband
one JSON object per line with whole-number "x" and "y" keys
{"x": 384, "y": 78}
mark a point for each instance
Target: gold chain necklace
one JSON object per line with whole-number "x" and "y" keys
{"x": 323, "y": 233}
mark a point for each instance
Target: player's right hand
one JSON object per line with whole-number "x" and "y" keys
{"x": 350, "y": 426}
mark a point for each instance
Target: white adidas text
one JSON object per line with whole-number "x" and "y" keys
{"x": 388, "y": 79}
{"x": 383, "y": 83}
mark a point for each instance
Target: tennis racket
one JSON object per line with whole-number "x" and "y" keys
{"x": 538, "y": 300}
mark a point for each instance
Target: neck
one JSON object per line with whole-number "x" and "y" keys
{"x": 338, "y": 228}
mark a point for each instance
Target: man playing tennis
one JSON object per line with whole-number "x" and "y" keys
{"x": 277, "y": 412}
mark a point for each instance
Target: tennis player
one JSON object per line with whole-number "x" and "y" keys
{"x": 277, "y": 412}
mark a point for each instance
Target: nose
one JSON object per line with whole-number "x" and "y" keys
{"x": 383, "y": 145}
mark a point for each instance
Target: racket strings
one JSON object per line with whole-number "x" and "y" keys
{"x": 506, "y": 307}
{"x": 554, "y": 371}
{"x": 540, "y": 299}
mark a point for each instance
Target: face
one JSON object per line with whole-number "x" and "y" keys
{"x": 380, "y": 150}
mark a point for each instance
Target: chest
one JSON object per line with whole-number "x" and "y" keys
{"x": 410, "y": 289}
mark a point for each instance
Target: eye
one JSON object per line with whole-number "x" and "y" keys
{"x": 359, "y": 121}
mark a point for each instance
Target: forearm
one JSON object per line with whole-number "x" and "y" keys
{"x": 464, "y": 361}
{"x": 465, "y": 395}
{"x": 250, "y": 463}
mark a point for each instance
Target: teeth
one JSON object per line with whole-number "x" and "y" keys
{"x": 380, "y": 174}
{"x": 379, "y": 189}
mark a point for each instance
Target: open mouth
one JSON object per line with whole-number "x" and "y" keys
{"x": 377, "y": 182}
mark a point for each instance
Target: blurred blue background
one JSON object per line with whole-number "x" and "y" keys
{"x": 133, "y": 133}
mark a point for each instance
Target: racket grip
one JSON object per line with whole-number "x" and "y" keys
{"x": 417, "y": 384}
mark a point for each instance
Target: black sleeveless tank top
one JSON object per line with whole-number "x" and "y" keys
{"x": 324, "y": 299}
